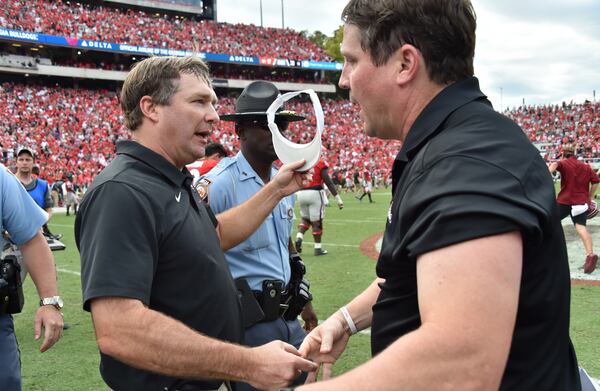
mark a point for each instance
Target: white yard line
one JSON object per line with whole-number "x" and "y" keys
{"x": 332, "y": 244}
{"x": 369, "y": 220}
{"x": 345, "y": 222}
{"x": 60, "y": 269}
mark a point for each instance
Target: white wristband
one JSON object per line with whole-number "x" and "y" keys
{"x": 349, "y": 320}
{"x": 338, "y": 199}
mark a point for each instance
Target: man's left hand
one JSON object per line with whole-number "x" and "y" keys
{"x": 50, "y": 318}
{"x": 309, "y": 317}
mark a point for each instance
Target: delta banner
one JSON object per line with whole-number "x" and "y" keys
{"x": 87, "y": 44}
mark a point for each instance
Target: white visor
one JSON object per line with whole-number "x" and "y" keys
{"x": 287, "y": 151}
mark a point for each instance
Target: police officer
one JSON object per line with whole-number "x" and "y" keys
{"x": 22, "y": 220}
{"x": 263, "y": 258}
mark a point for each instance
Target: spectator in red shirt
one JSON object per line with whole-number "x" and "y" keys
{"x": 575, "y": 197}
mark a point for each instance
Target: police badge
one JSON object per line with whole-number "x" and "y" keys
{"x": 202, "y": 188}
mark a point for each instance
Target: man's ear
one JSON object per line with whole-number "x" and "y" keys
{"x": 239, "y": 130}
{"x": 241, "y": 134}
{"x": 409, "y": 60}
{"x": 149, "y": 108}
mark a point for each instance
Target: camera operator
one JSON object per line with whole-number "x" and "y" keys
{"x": 22, "y": 219}
{"x": 37, "y": 188}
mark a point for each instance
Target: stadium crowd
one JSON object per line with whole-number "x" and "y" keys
{"x": 73, "y": 131}
{"x": 131, "y": 27}
{"x": 550, "y": 126}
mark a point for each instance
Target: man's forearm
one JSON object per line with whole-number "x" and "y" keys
{"x": 40, "y": 265}
{"x": 330, "y": 185}
{"x": 236, "y": 224}
{"x": 149, "y": 340}
{"x": 360, "y": 308}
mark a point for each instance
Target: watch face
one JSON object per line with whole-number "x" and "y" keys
{"x": 54, "y": 300}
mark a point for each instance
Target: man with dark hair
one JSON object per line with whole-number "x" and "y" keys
{"x": 37, "y": 188}
{"x": 473, "y": 286}
{"x": 262, "y": 262}
{"x": 578, "y": 185}
{"x": 214, "y": 153}
{"x": 164, "y": 306}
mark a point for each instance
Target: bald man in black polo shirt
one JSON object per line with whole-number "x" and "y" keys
{"x": 473, "y": 280}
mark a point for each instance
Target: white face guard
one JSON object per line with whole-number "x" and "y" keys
{"x": 287, "y": 151}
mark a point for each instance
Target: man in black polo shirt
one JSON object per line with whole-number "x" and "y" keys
{"x": 163, "y": 303}
{"x": 473, "y": 281}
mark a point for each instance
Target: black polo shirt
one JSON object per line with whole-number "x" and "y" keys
{"x": 143, "y": 233}
{"x": 466, "y": 172}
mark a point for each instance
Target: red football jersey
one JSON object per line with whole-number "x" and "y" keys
{"x": 317, "y": 180}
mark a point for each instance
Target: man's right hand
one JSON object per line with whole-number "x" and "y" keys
{"x": 277, "y": 365}
{"x": 325, "y": 344}
{"x": 288, "y": 180}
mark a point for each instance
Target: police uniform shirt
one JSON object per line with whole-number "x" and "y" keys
{"x": 19, "y": 214}
{"x": 143, "y": 233}
{"x": 466, "y": 172}
{"x": 264, "y": 255}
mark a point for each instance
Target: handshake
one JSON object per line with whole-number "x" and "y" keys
{"x": 319, "y": 351}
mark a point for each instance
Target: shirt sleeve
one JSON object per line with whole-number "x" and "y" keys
{"x": 116, "y": 231}
{"x": 220, "y": 191}
{"x": 484, "y": 200}
{"x": 21, "y": 216}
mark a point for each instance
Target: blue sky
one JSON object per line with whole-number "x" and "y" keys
{"x": 542, "y": 51}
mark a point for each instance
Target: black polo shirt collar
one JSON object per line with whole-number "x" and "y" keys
{"x": 430, "y": 119}
{"x": 156, "y": 161}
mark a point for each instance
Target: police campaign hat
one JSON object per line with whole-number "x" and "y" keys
{"x": 254, "y": 102}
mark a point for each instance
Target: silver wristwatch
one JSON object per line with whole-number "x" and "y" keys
{"x": 56, "y": 301}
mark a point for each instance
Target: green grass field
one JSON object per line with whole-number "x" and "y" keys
{"x": 72, "y": 364}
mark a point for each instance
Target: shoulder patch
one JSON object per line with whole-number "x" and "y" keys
{"x": 202, "y": 188}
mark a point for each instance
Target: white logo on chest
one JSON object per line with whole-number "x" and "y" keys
{"x": 178, "y": 197}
